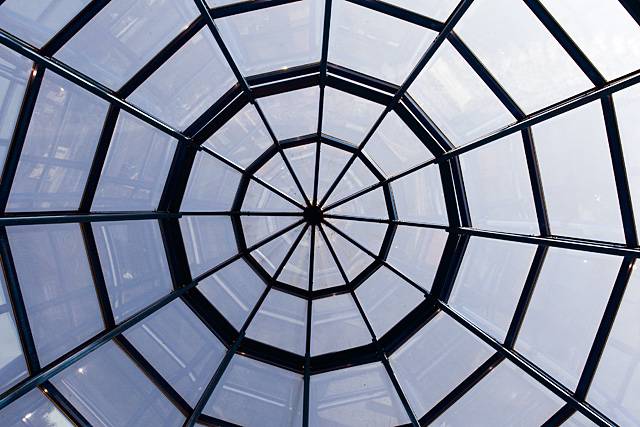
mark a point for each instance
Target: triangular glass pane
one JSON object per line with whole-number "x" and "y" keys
{"x": 270, "y": 255}
{"x": 369, "y": 205}
{"x": 368, "y": 234}
{"x": 256, "y": 228}
{"x": 325, "y": 270}
{"x": 332, "y": 161}
{"x": 296, "y": 271}
{"x": 351, "y": 258}
{"x": 260, "y": 199}
{"x": 357, "y": 177}
{"x": 276, "y": 173}
{"x": 303, "y": 163}
{"x": 336, "y": 313}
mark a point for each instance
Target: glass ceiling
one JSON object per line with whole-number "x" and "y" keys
{"x": 319, "y": 213}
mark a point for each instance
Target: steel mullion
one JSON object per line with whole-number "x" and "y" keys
{"x": 63, "y": 405}
{"x": 633, "y": 8}
{"x": 107, "y": 335}
{"x": 400, "y": 13}
{"x": 240, "y": 213}
{"x": 26, "y": 218}
{"x": 535, "y": 178}
{"x": 307, "y": 351}
{"x": 560, "y": 417}
{"x": 460, "y": 9}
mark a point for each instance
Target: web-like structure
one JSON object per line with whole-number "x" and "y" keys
{"x": 319, "y": 212}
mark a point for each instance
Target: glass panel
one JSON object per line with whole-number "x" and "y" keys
{"x": 458, "y": 101}
{"x": 520, "y": 53}
{"x": 347, "y": 116}
{"x": 578, "y": 420}
{"x": 276, "y": 173}
{"x": 394, "y": 147}
{"x": 616, "y": 384}
{"x": 234, "y": 291}
{"x": 134, "y": 264}
{"x": 180, "y": 347}
{"x": 368, "y": 234}
{"x": 435, "y": 360}
{"x": 603, "y": 30}
{"x": 419, "y": 197}
{"x": 374, "y": 43}
{"x": 351, "y": 258}
{"x": 270, "y": 255}
{"x": 490, "y": 281}
{"x": 37, "y": 21}
{"x": 255, "y": 394}
{"x": 275, "y": 38}
{"x": 212, "y": 185}
{"x": 416, "y": 253}
{"x": 292, "y": 114}
{"x": 332, "y": 161}
{"x": 577, "y": 176}
{"x": 257, "y": 228}
{"x": 357, "y": 177}
{"x": 242, "y": 139}
{"x": 128, "y": 33}
{"x": 498, "y": 187}
{"x": 369, "y": 205}
{"x": 208, "y": 240}
{"x": 325, "y": 270}
{"x": 94, "y": 385}
{"x": 14, "y": 73}
{"x": 58, "y": 149}
{"x": 281, "y": 322}
{"x": 303, "y": 163}
{"x": 505, "y": 397}
{"x": 362, "y": 395}
{"x": 204, "y": 77}
{"x": 57, "y": 286}
{"x": 260, "y": 198}
{"x": 12, "y": 365}
{"x": 565, "y": 311}
{"x": 438, "y": 9}
{"x": 33, "y": 409}
{"x": 296, "y": 270}
{"x": 386, "y": 298}
{"x": 333, "y": 314}
{"x": 136, "y": 167}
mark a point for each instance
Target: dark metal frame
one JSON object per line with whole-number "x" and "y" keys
{"x": 250, "y": 89}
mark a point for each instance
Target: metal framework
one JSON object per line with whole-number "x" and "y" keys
{"x": 249, "y": 90}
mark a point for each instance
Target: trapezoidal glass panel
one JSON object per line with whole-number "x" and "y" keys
{"x": 208, "y": 240}
{"x": 348, "y": 117}
{"x": 332, "y": 314}
{"x": 12, "y": 363}
{"x": 292, "y": 114}
{"x": 33, "y": 409}
{"x": 212, "y": 185}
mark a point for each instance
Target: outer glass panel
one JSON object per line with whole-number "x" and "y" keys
{"x": 58, "y": 149}
{"x": 565, "y": 310}
{"x": 234, "y": 291}
{"x": 57, "y": 286}
{"x": 490, "y": 281}
{"x": 180, "y": 347}
{"x": 281, "y": 322}
{"x": 255, "y": 394}
{"x": 242, "y": 139}
{"x": 12, "y": 365}
{"x": 134, "y": 264}
{"x": 124, "y": 36}
{"x": 33, "y": 409}
{"x": 438, "y": 9}
{"x": 416, "y": 253}
{"x": 94, "y": 385}
{"x": 362, "y": 395}
{"x": 204, "y": 76}
{"x": 603, "y": 30}
{"x": 505, "y": 397}
{"x": 394, "y": 147}
{"x": 616, "y": 384}
{"x": 577, "y": 176}
{"x": 274, "y": 38}
{"x": 292, "y": 114}
{"x": 208, "y": 240}
{"x": 386, "y": 298}
{"x": 458, "y": 101}
{"x": 37, "y": 21}
{"x": 374, "y": 43}
{"x": 419, "y": 196}
{"x": 347, "y": 116}
{"x": 333, "y": 314}
{"x": 520, "y": 53}
{"x": 212, "y": 185}
{"x": 435, "y": 360}
{"x": 136, "y": 167}
{"x": 498, "y": 187}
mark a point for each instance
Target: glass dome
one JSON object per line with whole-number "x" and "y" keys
{"x": 319, "y": 212}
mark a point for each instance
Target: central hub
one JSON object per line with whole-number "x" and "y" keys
{"x": 313, "y": 215}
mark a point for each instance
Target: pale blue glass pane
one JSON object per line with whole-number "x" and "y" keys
{"x": 357, "y": 177}
{"x": 57, "y": 286}
{"x": 33, "y": 410}
{"x": 362, "y": 395}
{"x": 204, "y": 77}
{"x": 325, "y": 270}
{"x": 259, "y": 198}
{"x": 369, "y": 205}
{"x": 292, "y": 114}
{"x": 134, "y": 264}
{"x": 212, "y": 185}
{"x": 303, "y": 163}
{"x": 296, "y": 270}
{"x": 435, "y": 360}
{"x": 347, "y": 116}
{"x": 368, "y": 234}
{"x": 332, "y": 160}
{"x": 275, "y": 38}
{"x": 419, "y": 196}
{"x": 234, "y": 291}
{"x": 352, "y": 259}
{"x": 12, "y": 364}
{"x": 124, "y": 36}
{"x": 136, "y": 167}
{"x": 257, "y": 228}
{"x": 59, "y": 147}
{"x": 276, "y": 173}
{"x": 180, "y": 347}
{"x": 255, "y": 394}
{"x": 578, "y": 420}
{"x": 333, "y": 314}
{"x": 109, "y": 390}
{"x": 438, "y": 9}
{"x": 208, "y": 241}
{"x": 270, "y": 255}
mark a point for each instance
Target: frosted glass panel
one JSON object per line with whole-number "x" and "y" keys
{"x": 303, "y": 163}
{"x": 419, "y": 196}
{"x": 332, "y": 160}
{"x": 357, "y": 177}
{"x": 259, "y": 198}
{"x": 292, "y": 114}
{"x": 347, "y": 116}
{"x": 212, "y": 185}
{"x": 296, "y": 270}
{"x": 12, "y": 364}
{"x": 270, "y": 255}
{"x": 276, "y": 173}
{"x": 352, "y": 259}
{"x": 325, "y": 270}
{"x": 333, "y": 314}
{"x": 258, "y": 228}
{"x": 369, "y": 205}
{"x": 33, "y": 409}
{"x": 368, "y": 234}
{"x": 208, "y": 241}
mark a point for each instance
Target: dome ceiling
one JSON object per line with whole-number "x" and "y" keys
{"x": 319, "y": 213}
